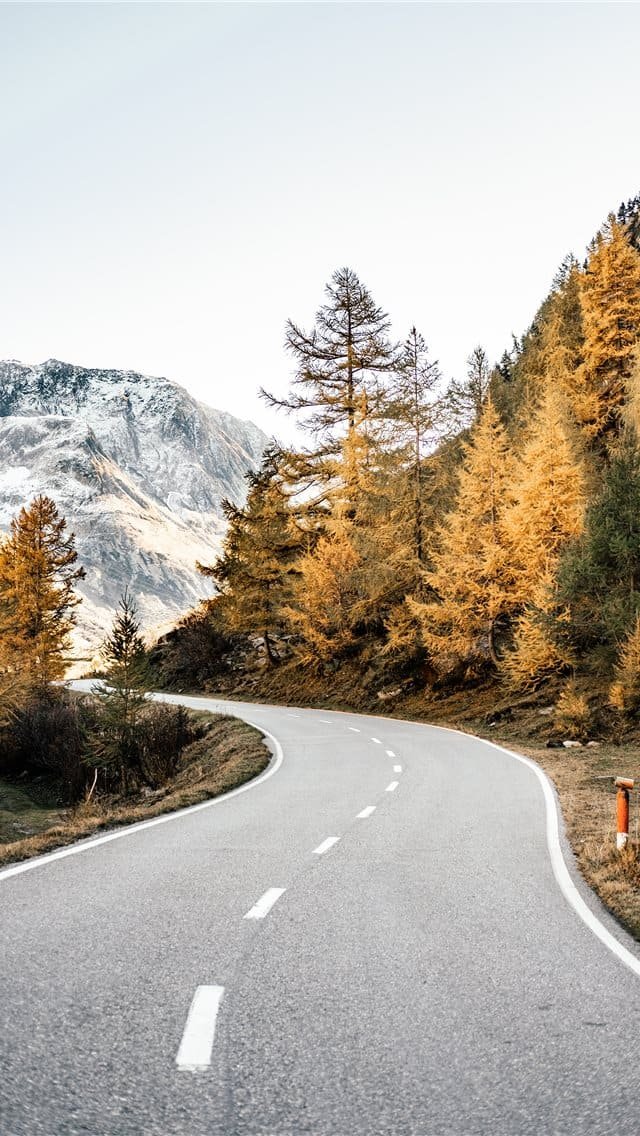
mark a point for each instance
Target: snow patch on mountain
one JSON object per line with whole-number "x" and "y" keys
{"x": 139, "y": 469}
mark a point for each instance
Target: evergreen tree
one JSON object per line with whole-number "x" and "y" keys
{"x": 257, "y": 568}
{"x": 470, "y": 576}
{"x": 122, "y": 696}
{"x": 37, "y": 577}
{"x": 610, "y": 297}
{"x": 599, "y": 574}
{"x": 629, "y": 216}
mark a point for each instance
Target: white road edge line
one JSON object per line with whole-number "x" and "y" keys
{"x": 265, "y": 903}
{"x": 397, "y": 769}
{"x": 392, "y": 786}
{"x": 197, "y": 1040}
{"x": 366, "y": 812}
{"x": 389, "y": 753}
{"x": 377, "y": 741}
{"x": 561, "y": 872}
{"x": 325, "y": 846}
{"x": 130, "y": 830}
{"x": 558, "y": 863}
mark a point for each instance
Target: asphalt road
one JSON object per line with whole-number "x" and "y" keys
{"x": 422, "y": 975}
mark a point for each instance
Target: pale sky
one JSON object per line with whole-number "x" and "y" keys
{"x": 179, "y": 179}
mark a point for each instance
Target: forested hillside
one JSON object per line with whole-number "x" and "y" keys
{"x": 438, "y": 535}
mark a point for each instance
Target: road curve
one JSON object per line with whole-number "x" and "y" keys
{"x": 371, "y": 940}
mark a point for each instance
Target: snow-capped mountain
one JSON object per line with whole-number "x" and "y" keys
{"x": 138, "y": 468}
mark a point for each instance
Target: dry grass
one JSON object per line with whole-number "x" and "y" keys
{"x": 584, "y": 781}
{"x": 228, "y": 753}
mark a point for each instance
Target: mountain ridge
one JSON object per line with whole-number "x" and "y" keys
{"x": 138, "y": 467}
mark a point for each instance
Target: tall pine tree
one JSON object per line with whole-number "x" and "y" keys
{"x": 341, "y": 358}
{"x": 257, "y": 568}
{"x": 122, "y": 697}
{"x": 599, "y": 573}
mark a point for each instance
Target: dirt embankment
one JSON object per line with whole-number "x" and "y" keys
{"x": 226, "y": 753}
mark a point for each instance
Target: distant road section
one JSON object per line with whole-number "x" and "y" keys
{"x": 370, "y": 940}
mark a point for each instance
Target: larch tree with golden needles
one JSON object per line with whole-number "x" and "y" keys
{"x": 351, "y": 578}
{"x": 610, "y": 299}
{"x": 38, "y": 574}
{"x": 470, "y": 575}
{"x": 322, "y": 616}
{"x": 549, "y": 497}
{"x": 546, "y": 514}
{"x": 561, "y": 350}
{"x": 342, "y": 359}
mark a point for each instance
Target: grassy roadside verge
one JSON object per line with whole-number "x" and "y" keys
{"x": 227, "y": 753}
{"x": 584, "y": 782}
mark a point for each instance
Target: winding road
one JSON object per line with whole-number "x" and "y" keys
{"x": 377, "y": 936}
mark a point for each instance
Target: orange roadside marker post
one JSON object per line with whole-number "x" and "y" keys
{"x": 623, "y": 785}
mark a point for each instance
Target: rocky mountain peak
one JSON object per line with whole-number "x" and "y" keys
{"x": 139, "y": 469}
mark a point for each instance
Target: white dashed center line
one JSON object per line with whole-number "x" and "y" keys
{"x": 392, "y": 786}
{"x": 326, "y": 845}
{"x": 389, "y": 753}
{"x": 397, "y": 769}
{"x": 377, "y": 741}
{"x": 354, "y": 730}
{"x": 265, "y": 903}
{"x": 197, "y": 1040}
{"x": 366, "y": 812}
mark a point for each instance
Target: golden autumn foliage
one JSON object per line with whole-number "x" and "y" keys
{"x": 561, "y": 351}
{"x": 484, "y": 529}
{"x": 326, "y": 596}
{"x": 610, "y": 299}
{"x": 624, "y": 693}
{"x": 534, "y": 654}
{"x": 37, "y": 576}
{"x": 549, "y": 498}
{"x": 572, "y": 712}
{"x": 471, "y": 572}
